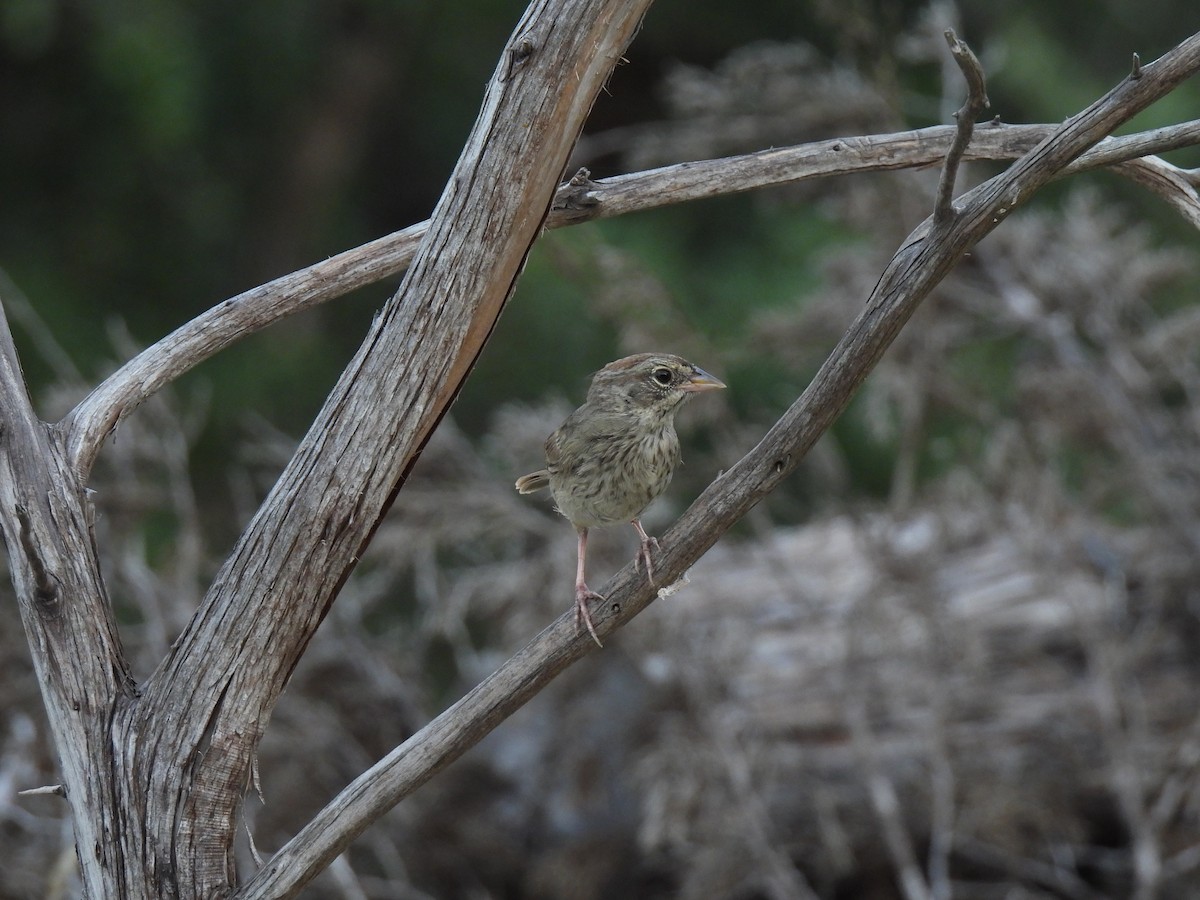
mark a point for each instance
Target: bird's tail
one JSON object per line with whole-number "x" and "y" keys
{"x": 534, "y": 481}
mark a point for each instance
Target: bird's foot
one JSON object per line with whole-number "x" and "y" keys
{"x": 644, "y": 557}
{"x": 583, "y": 615}
{"x": 644, "y": 551}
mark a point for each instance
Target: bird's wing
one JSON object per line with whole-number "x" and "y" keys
{"x": 535, "y": 481}
{"x": 554, "y": 444}
{"x": 582, "y": 439}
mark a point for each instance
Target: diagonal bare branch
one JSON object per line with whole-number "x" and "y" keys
{"x": 924, "y": 259}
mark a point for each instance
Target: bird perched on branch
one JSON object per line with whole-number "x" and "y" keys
{"x": 617, "y": 452}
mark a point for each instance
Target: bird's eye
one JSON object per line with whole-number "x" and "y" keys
{"x": 662, "y": 375}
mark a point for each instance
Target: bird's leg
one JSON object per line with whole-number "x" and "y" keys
{"x": 644, "y": 551}
{"x": 582, "y": 593}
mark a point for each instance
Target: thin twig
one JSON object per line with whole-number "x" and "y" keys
{"x": 1107, "y": 657}
{"x": 968, "y": 113}
{"x": 782, "y": 880}
{"x": 864, "y": 744}
{"x": 1059, "y": 879}
{"x": 56, "y": 790}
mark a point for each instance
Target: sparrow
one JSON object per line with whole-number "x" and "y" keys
{"x": 615, "y": 454}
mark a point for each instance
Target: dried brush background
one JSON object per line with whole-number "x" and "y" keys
{"x": 981, "y": 686}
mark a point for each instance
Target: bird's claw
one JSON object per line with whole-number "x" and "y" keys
{"x": 583, "y": 615}
{"x": 644, "y": 557}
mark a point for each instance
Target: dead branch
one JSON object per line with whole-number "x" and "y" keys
{"x": 67, "y": 619}
{"x": 1169, "y": 182}
{"x": 98, "y": 414}
{"x": 968, "y": 113}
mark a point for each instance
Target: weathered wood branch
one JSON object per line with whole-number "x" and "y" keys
{"x": 77, "y": 655}
{"x": 964, "y": 125}
{"x": 184, "y": 749}
{"x": 924, "y": 259}
{"x": 1169, "y": 182}
{"x": 99, "y": 414}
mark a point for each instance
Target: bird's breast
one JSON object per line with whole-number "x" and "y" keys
{"x": 615, "y": 476}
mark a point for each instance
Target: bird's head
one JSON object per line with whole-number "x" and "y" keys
{"x": 649, "y": 382}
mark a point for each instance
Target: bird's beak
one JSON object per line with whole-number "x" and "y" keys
{"x": 702, "y": 381}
